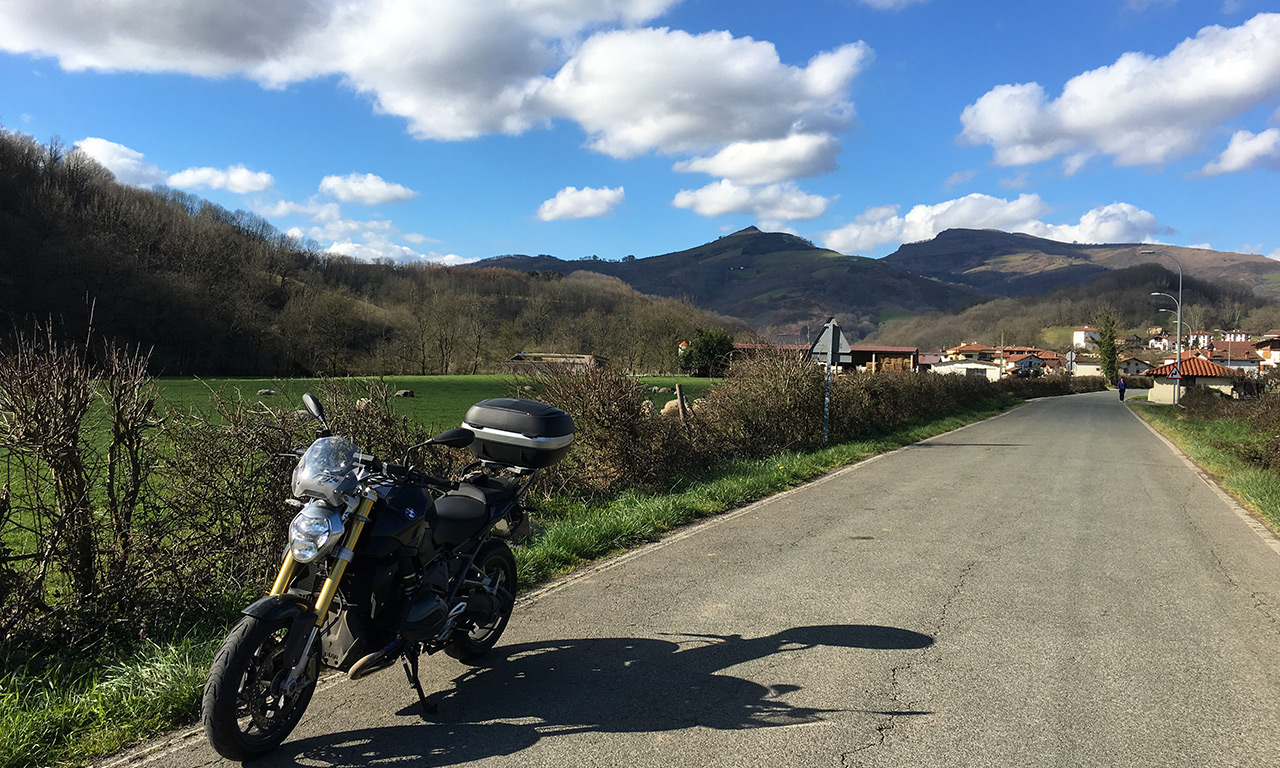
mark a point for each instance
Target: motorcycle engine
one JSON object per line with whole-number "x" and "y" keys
{"x": 425, "y": 613}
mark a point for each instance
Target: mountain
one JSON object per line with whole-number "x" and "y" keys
{"x": 777, "y": 282}
{"x": 1017, "y": 265}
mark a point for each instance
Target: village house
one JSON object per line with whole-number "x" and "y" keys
{"x": 1084, "y": 337}
{"x": 1132, "y": 366}
{"x": 1195, "y": 371}
{"x": 988, "y": 369}
{"x": 1269, "y": 350}
{"x": 1199, "y": 339}
{"x": 1162, "y": 342}
{"x": 1242, "y": 356}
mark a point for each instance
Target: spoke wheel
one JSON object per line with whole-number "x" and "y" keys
{"x": 245, "y": 711}
{"x": 498, "y": 565}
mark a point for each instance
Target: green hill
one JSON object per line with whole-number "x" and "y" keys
{"x": 779, "y": 283}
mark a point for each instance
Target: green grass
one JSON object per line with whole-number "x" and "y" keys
{"x": 1255, "y": 488}
{"x": 438, "y": 401}
{"x": 76, "y": 715}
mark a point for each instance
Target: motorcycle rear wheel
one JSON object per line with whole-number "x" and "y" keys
{"x": 243, "y": 710}
{"x": 496, "y": 562}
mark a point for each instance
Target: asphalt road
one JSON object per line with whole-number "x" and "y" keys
{"x": 1052, "y": 587}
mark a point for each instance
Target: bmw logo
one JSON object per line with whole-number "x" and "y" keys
{"x": 411, "y": 513}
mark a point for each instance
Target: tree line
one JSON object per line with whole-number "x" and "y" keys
{"x": 210, "y": 291}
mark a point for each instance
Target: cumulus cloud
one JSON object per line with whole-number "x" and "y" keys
{"x": 585, "y": 203}
{"x": 1115, "y": 223}
{"x": 366, "y": 240}
{"x": 775, "y": 202}
{"x": 366, "y": 188}
{"x": 500, "y": 66}
{"x": 1139, "y": 110}
{"x": 126, "y": 164}
{"x": 1247, "y": 151}
{"x": 237, "y": 178}
{"x": 797, "y": 156}
{"x": 671, "y": 91}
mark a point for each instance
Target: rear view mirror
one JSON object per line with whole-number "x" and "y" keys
{"x": 458, "y": 437}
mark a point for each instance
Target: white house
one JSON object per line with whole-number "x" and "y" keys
{"x": 1084, "y": 337}
{"x": 988, "y": 370}
{"x": 1132, "y": 366}
{"x": 1087, "y": 368}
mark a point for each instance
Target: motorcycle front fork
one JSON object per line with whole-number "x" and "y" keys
{"x": 330, "y": 588}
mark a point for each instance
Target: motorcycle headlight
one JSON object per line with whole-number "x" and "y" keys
{"x": 314, "y": 531}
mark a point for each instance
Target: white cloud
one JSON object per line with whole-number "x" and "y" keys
{"x": 960, "y": 177}
{"x": 365, "y": 188}
{"x": 1139, "y": 110}
{"x": 671, "y": 91}
{"x": 775, "y": 202}
{"x": 1274, "y": 254}
{"x": 237, "y": 178}
{"x": 459, "y": 70}
{"x": 585, "y": 203}
{"x": 1115, "y": 223}
{"x": 1247, "y": 151}
{"x": 360, "y": 239}
{"x": 126, "y": 164}
{"x": 797, "y": 156}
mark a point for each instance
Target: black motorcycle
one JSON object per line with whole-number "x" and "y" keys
{"x": 384, "y": 562}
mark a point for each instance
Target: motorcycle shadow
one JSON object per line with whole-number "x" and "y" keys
{"x": 526, "y": 692}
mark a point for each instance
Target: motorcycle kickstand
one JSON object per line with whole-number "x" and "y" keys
{"x": 411, "y": 672}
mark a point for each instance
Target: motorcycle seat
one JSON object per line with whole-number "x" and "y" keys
{"x": 459, "y": 515}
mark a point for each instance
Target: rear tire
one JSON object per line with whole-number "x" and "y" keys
{"x": 243, "y": 712}
{"x": 496, "y": 562}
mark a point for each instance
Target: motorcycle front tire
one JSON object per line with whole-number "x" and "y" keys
{"x": 243, "y": 712}
{"x": 495, "y": 561}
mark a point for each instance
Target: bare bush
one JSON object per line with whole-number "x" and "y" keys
{"x": 619, "y": 443}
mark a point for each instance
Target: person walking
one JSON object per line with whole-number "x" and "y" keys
{"x": 1120, "y": 386}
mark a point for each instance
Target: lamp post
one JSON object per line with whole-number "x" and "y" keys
{"x": 1177, "y": 365}
{"x": 1177, "y": 362}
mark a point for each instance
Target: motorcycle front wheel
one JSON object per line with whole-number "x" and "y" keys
{"x": 244, "y": 712}
{"x": 498, "y": 565}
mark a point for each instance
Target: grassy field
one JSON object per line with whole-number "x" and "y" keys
{"x": 438, "y": 401}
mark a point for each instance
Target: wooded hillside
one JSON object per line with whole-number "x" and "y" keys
{"x": 218, "y": 292}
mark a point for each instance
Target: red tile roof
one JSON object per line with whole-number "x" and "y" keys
{"x": 1195, "y": 366}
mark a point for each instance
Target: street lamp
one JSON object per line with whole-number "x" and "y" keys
{"x": 1177, "y": 360}
{"x": 1177, "y": 365}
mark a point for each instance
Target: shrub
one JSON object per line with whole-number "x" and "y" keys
{"x": 619, "y": 443}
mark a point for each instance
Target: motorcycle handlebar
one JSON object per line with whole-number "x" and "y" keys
{"x": 406, "y": 474}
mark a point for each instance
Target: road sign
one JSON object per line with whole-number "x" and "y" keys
{"x": 820, "y": 350}
{"x": 1174, "y": 374}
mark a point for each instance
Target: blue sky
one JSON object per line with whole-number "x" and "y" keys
{"x": 455, "y": 131}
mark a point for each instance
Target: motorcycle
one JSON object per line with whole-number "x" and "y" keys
{"x": 384, "y": 562}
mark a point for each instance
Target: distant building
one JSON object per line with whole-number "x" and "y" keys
{"x": 551, "y": 362}
{"x": 1132, "y": 366}
{"x": 1199, "y": 339}
{"x": 1084, "y": 337}
{"x": 985, "y": 368}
